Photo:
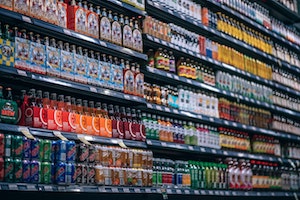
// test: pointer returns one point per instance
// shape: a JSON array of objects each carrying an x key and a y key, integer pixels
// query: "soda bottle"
[
  {"x": 105, "y": 123},
  {"x": 8, "y": 107}
]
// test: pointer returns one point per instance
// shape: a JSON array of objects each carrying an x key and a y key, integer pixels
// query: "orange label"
[
  {"x": 83, "y": 123},
  {"x": 96, "y": 125},
  {"x": 89, "y": 126},
  {"x": 77, "y": 124},
  {"x": 58, "y": 119},
  {"x": 105, "y": 127}
]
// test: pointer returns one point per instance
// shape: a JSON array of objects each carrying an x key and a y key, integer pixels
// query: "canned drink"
[
  {"x": 35, "y": 149},
  {"x": 53, "y": 151},
  {"x": 2, "y": 144},
  {"x": 9, "y": 170},
  {"x": 84, "y": 173},
  {"x": 46, "y": 172},
  {"x": 17, "y": 149},
  {"x": 60, "y": 173},
  {"x": 92, "y": 154},
  {"x": 26, "y": 171},
  {"x": 91, "y": 174},
  {"x": 26, "y": 148},
  {"x": 1, "y": 169},
  {"x": 46, "y": 150},
  {"x": 71, "y": 151},
  {"x": 35, "y": 167},
  {"x": 78, "y": 173},
  {"x": 18, "y": 173},
  {"x": 8, "y": 141},
  {"x": 61, "y": 150},
  {"x": 53, "y": 170},
  {"x": 70, "y": 171},
  {"x": 83, "y": 152}
]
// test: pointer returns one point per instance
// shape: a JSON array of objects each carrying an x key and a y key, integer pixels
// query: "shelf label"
[
  {"x": 189, "y": 81},
  {"x": 26, "y": 132},
  {"x": 167, "y": 109},
  {"x": 178, "y": 191},
  {"x": 83, "y": 139},
  {"x": 234, "y": 193},
  {"x": 164, "y": 43},
  {"x": 244, "y": 126},
  {"x": 202, "y": 192},
  {"x": 196, "y": 192},
  {"x": 103, "y": 43},
  {"x": 191, "y": 148},
  {"x": 176, "y": 77},
  {"x": 93, "y": 89},
  {"x": 187, "y": 192},
  {"x": 67, "y": 32},
  {"x": 163, "y": 144},
  {"x": 149, "y": 105},
  {"x": 234, "y": 124},
  {"x": 210, "y": 192},
  {"x": 171, "y": 12},
  {"x": 156, "y": 40},
  {"x": 225, "y": 153},
  {"x": 126, "y": 190},
  {"x": 191, "y": 53},
  {"x": 26, "y": 19},
  {"x": 126, "y": 96},
  {"x": 199, "y": 117},
  {"x": 295, "y": 195},
  {"x": 59, "y": 135},
  {"x": 169, "y": 75},
  {"x": 175, "y": 111},
  {"x": 159, "y": 108},
  {"x": 183, "y": 17},
  {"x": 148, "y": 190},
  {"x": 21, "y": 72},
  {"x": 183, "y": 50},
  {"x": 137, "y": 190},
  {"x": 202, "y": 149},
  {"x": 213, "y": 151}
]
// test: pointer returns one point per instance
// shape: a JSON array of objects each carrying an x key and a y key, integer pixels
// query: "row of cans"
[{"x": 17, "y": 170}]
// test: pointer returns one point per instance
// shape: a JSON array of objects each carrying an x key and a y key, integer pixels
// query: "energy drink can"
[
  {"x": 46, "y": 150},
  {"x": 35, "y": 167},
  {"x": 17, "y": 149},
  {"x": 91, "y": 174},
  {"x": 92, "y": 154},
  {"x": 35, "y": 149},
  {"x": 26, "y": 148},
  {"x": 78, "y": 173},
  {"x": 83, "y": 152},
  {"x": 9, "y": 170},
  {"x": 26, "y": 171},
  {"x": 18, "y": 173},
  {"x": 53, "y": 151},
  {"x": 8, "y": 145},
  {"x": 71, "y": 151},
  {"x": 46, "y": 173},
  {"x": 70, "y": 170},
  {"x": 60, "y": 173},
  {"x": 61, "y": 150}
]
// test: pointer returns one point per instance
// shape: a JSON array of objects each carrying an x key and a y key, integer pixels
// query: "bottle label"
[
  {"x": 159, "y": 62},
  {"x": 116, "y": 33},
  {"x": 127, "y": 36},
  {"x": 182, "y": 70},
  {"x": 139, "y": 85},
  {"x": 80, "y": 20},
  {"x": 137, "y": 40},
  {"x": 62, "y": 14},
  {"x": 105, "y": 29},
  {"x": 96, "y": 125},
  {"x": 50, "y": 11},
  {"x": 93, "y": 25},
  {"x": 93, "y": 71},
  {"x": 80, "y": 68},
  {"x": 105, "y": 127},
  {"x": 22, "y": 53},
  {"x": 7, "y": 53},
  {"x": 53, "y": 61},
  {"x": 128, "y": 82},
  {"x": 89, "y": 125},
  {"x": 67, "y": 65},
  {"x": 172, "y": 67},
  {"x": 7, "y": 5}
]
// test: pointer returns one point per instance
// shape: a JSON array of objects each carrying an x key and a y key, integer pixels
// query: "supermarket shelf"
[
  {"x": 159, "y": 43},
  {"x": 70, "y": 36},
  {"x": 169, "y": 78},
  {"x": 222, "y": 37},
  {"x": 258, "y": 26},
  {"x": 73, "y": 136},
  {"x": 122, "y": 5},
  {"x": 216, "y": 121},
  {"x": 217, "y": 152},
  {"x": 139, "y": 190},
  {"x": 63, "y": 84}
]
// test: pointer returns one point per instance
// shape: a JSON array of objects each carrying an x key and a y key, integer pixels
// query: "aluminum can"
[
  {"x": 8, "y": 143},
  {"x": 46, "y": 173},
  {"x": 61, "y": 150},
  {"x": 70, "y": 170},
  {"x": 26, "y": 171},
  {"x": 26, "y": 148},
  {"x": 35, "y": 149},
  {"x": 17, "y": 149},
  {"x": 46, "y": 150},
  {"x": 60, "y": 173},
  {"x": 35, "y": 167},
  {"x": 2, "y": 144},
  {"x": 71, "y": 151},
  {"x": 18, "y": 173},
  {"x": 82, "y": 153}
]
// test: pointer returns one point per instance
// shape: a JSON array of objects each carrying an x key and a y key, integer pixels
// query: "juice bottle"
[
  {"x": 151, "y": 60},
  {"x": 169, "y": 130},
  {"x": 159, "y": 59},
  {"x": 88, "y": 109},
  {"x": 141, "y": 129},
  {"x": 181, "y": 67},
  {"x": 116, "y": 30},
  {"x": 172, "y": 63},
  {"x": 127, "y": 33},
  {"x": 78, "y": 116},
  {"x": 134, "y": 125},
  {"x": 137, "y": 42},
  {"x": 58, "y": 118},
  {"x": 105, "y": 122},
  {"x": 117, "y": 124},
  {"x": 93, "y": 21},
  {"x": 105, "y": 26}
]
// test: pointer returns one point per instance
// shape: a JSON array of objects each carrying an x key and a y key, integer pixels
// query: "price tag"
[
  {"x": 182, "y": 17},
  {"x": 48, "y": 188},
  {"x": 169, "y": 75},
  {"x": 13, "y": 187},
  {"x": 176, "y": 77},
  {"x": 226, "y": 123},
  {"x": 191, "y": 53},
  {"x": 175, "y": 111},
  {"x": 210, "y": 192},
  {"x": 156, "y": 40},
  {"x": 103, "y": 44},
  {"x": 225, "y": 153},
  {"x": 258, "y": 194},
  {"x": 83, "y": 139},
  {"x": 26, "y": 19},
  {"x": 149, "y": 106},
  {"x": 137, "y": 190},
  {"x": 187, "y": 192},
  {"x": 199, "y": 117},
  {"x": 163, "y": 144},
  {"x": 21, "y": 72},
  {"x": 164, "y": 43},
  {"x": 213, "y": 31},
  {"x": 202, "y": 192},
  {"x": 119, "y": 3},
  {"x": 227, "y": 193},
  {"x": 176, "y": 47},
  {"x": 171, "y": 45},
  {"x": 183, "y": 50},
  {"x": 122, "y": 144},
  {"x": 295, "y": 195},
  {"x": 191, "y": 148},
  {"x": 234, "y": 124},
  {"x": 59, "y": 135},
  {"x": 126, "y": 190},
  {"x": 244, "y": 126},
  {"x": 196, "y": 192},
  {"x": 93, "y": 89},
  {"x": 67, "y": 32},
  {"x": 115, "y": 190},
  {"x": 148, "y": 190},
  {"x": 171, "y": 12},
  {"x": 213, "y": 151},
  {"x": 167, "y": 109},
  {"x": 159, "y": 108},
  {"x": 178, "y": 191},
  {"x": 211, "y": 119},
  {"x": 126, "y": 96},
  {"x": 217, "y": 193},
  {"x": 189, "y": 81},
  {"x": 202, "y": 149},
  {"x": 26, "y": 132}
]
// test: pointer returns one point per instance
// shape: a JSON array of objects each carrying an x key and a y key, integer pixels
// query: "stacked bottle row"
[
  {"x": 181, "y": 132},
  {"x": 266, "y": 145},
  {"x": 123, "y": 167},
  {"x": 284, "y": 100},
  {"x": 246, "y": 88},
  {"x": 199, "y": 44},
  {"x": 292, "y": 150},
  {"x": 233, "y": 139},
  {"x": 244, "y": 114},
  {"x": 282, "y": 123},
  {"x": 261, "y": 16},
  {"x": 187, "y": 68},
  {"x": 93, "y": 22},
  {"x": 241, "y": 32},
  {"x": 65, "y": 113},
  {"x": 286, "y": 78},
  {"x": 183, "y": 98},
  {"x": 66, "y": 61}
]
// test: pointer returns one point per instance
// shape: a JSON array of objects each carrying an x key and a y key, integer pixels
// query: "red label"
[
  {"x": 117, "y": 129},
  {"x": 37, "y": 123},
  {"x": 127, "y": 134},
  {"x": 1, "y": 169},
  {"x": 50, "y": 119},
  {"x": 65, "y": 122},
  {"x": 96, "y": 125}
]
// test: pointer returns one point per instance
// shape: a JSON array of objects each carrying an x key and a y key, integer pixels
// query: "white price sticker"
[
  {"x": 26, "y": 19},
  {"x": 169, "y": 75},
  {"x": 167, "y": 109},
  {"x": 83, "y": 139},
  {"x": 159, "y": 108},
  {"x": 126, "y": 96},
  {"x": 202, "y": 149},
  {"x": 164, "y": 43},
  {"x": 191, "y": 148},
  {"x": 176, "y": 77},
  {"x": 21, "y": 72},
  {"x": 103, "y": 44},
  {"x": 26, "y": 132},
  {"x": 189, "y": 81},
  {"x": 175, "y": 111},
  {"x": 59, "y": 135},
  {"x": 93, "y": 89},
  {"x": 213, "y": 151},
  {"x": 67, "y": 32},
  {"x": 163, "y": 144}
]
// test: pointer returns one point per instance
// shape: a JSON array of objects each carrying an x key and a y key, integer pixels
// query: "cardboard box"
[{"x": 7, "y": 51}]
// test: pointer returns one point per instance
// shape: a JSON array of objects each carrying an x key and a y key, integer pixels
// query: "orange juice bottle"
[
  {"x": 79, "y": 113},
  {"x": 105, "y": 123}
]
